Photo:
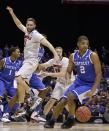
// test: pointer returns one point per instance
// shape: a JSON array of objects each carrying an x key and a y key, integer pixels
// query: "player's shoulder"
[
  {"x": 74, "y": 52},
  {"x": 65, "y": 59},
  {"x": 51, "y": 60},
  {"x": 72, "y": 55},
  {"x": 93, "y": 54},
  {"x": 35, "y": 32},
  {"x": 7, "y": 59}
]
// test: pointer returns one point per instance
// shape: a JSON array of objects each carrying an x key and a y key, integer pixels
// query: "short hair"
[
  {"x": 13, "y": 49},
  {"x": 83, "y": 37},
  {"x": 59, "y": 47},
  {"x": 31, "y": 19}
]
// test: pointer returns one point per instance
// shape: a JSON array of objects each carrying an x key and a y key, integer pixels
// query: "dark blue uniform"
[
  {"x": 7, "y": 76},
  {"x": 85, "y": 75}
]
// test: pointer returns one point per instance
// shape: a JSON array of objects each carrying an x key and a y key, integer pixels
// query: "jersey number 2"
[{"x": 82, "y": 69}]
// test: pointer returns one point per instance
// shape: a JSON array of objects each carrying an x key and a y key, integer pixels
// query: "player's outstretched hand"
[{"x": 9, "y": 9}]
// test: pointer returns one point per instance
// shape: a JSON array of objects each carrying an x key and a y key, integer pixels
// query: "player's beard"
[
  {"x": 60, "y": 57},
  {"x": 30, "y": 29}
]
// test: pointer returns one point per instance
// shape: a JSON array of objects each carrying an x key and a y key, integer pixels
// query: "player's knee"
[
  {"x": 18, "y": 79},
  {"x": 63, "y": 101},
  {"x": 52, "y": 100}
]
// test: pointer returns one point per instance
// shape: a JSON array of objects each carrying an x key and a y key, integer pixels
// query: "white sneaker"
[
  {"x": 37, "y": 117},
  {"x": 41, "y": 119},
  {"x": 19, "y": 113},
  {"x": 5, "y": 118}
]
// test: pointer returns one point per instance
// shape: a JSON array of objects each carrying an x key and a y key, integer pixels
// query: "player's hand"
[
  {"x": 42, "y": 74},
  {"x": 45, "y": 73},
  {"x": 9, "y": 9},
  {"x": 89, "y": 94},
  {"x": 39, "y": 68}
]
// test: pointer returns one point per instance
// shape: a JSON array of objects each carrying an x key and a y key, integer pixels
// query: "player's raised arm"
[
  {"x": 16, "y": 20},
  {"x": 46, "y": 43}
]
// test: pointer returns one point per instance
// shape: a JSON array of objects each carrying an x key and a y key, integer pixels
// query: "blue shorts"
[
  {"x": 6, "y": 88},
  {"x": 79, "y": 89},
  {"x": 36, "y": 83}
]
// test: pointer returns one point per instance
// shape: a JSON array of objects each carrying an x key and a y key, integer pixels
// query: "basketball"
[{"x": 83, "y": 114}]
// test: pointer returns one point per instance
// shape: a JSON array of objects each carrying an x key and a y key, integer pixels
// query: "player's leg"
[
  {"x": 42, "y": 93},
  {"x": 23, "y": 74},
  {"x": 57, "y": 110},
  {"x": 20, "y": 93},
  {"x": 71, "y": 104},
  {"x": 71, "y": 109},
  {"x": 56, "y": 95},
  {"x": 48, "y": 106},
  {"x": 37, "y": 84},
  {"x": 77, "y": 93},
  {"x": 2, "y": 90},
  {"x": 10, "y": 92},
  {"x": 59, "y": 107}
]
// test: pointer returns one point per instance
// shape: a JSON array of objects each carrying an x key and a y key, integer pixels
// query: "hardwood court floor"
[{"x": 39, "y": 127}]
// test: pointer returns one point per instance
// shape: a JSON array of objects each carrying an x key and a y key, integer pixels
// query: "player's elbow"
[{"x": 99, "y": 75}]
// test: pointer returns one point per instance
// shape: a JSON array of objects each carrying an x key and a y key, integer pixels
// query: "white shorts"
[
  {"x": 58, "y": 91},
  {"x": 27, "y": 69}
]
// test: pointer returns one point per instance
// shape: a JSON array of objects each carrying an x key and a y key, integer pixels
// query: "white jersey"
[
  {"x": 58, "y": 67},
  {"x": 32, "y": 44}
]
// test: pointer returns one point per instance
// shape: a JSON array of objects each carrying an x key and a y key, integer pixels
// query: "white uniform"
[
  {"x": 31, "y": 49},
  {"x": 60, "y": 86}
]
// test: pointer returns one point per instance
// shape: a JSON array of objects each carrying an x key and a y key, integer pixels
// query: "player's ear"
[
  {"x": 77, "y": 44},
  {"x": 35, "y": 26}
]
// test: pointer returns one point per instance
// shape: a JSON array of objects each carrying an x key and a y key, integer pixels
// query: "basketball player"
[
  {"x": 32, "y": 39},
  {"x": 60, "y": 71},
  {"x": 88, "y": 69},
  {"x": 8, "y": 67},
  {"x": 36, "y": 85},
  {"x": 60, "y": 68}
]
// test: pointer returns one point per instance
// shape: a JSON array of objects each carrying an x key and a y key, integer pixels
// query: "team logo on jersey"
[{"x": 26, "y": 38}]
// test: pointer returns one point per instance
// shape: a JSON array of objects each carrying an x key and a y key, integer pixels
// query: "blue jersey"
[
  {"x": 41, "y": 53},
  {"x": 84, "y": 66},
  {"x": 7, "y": 74}
]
